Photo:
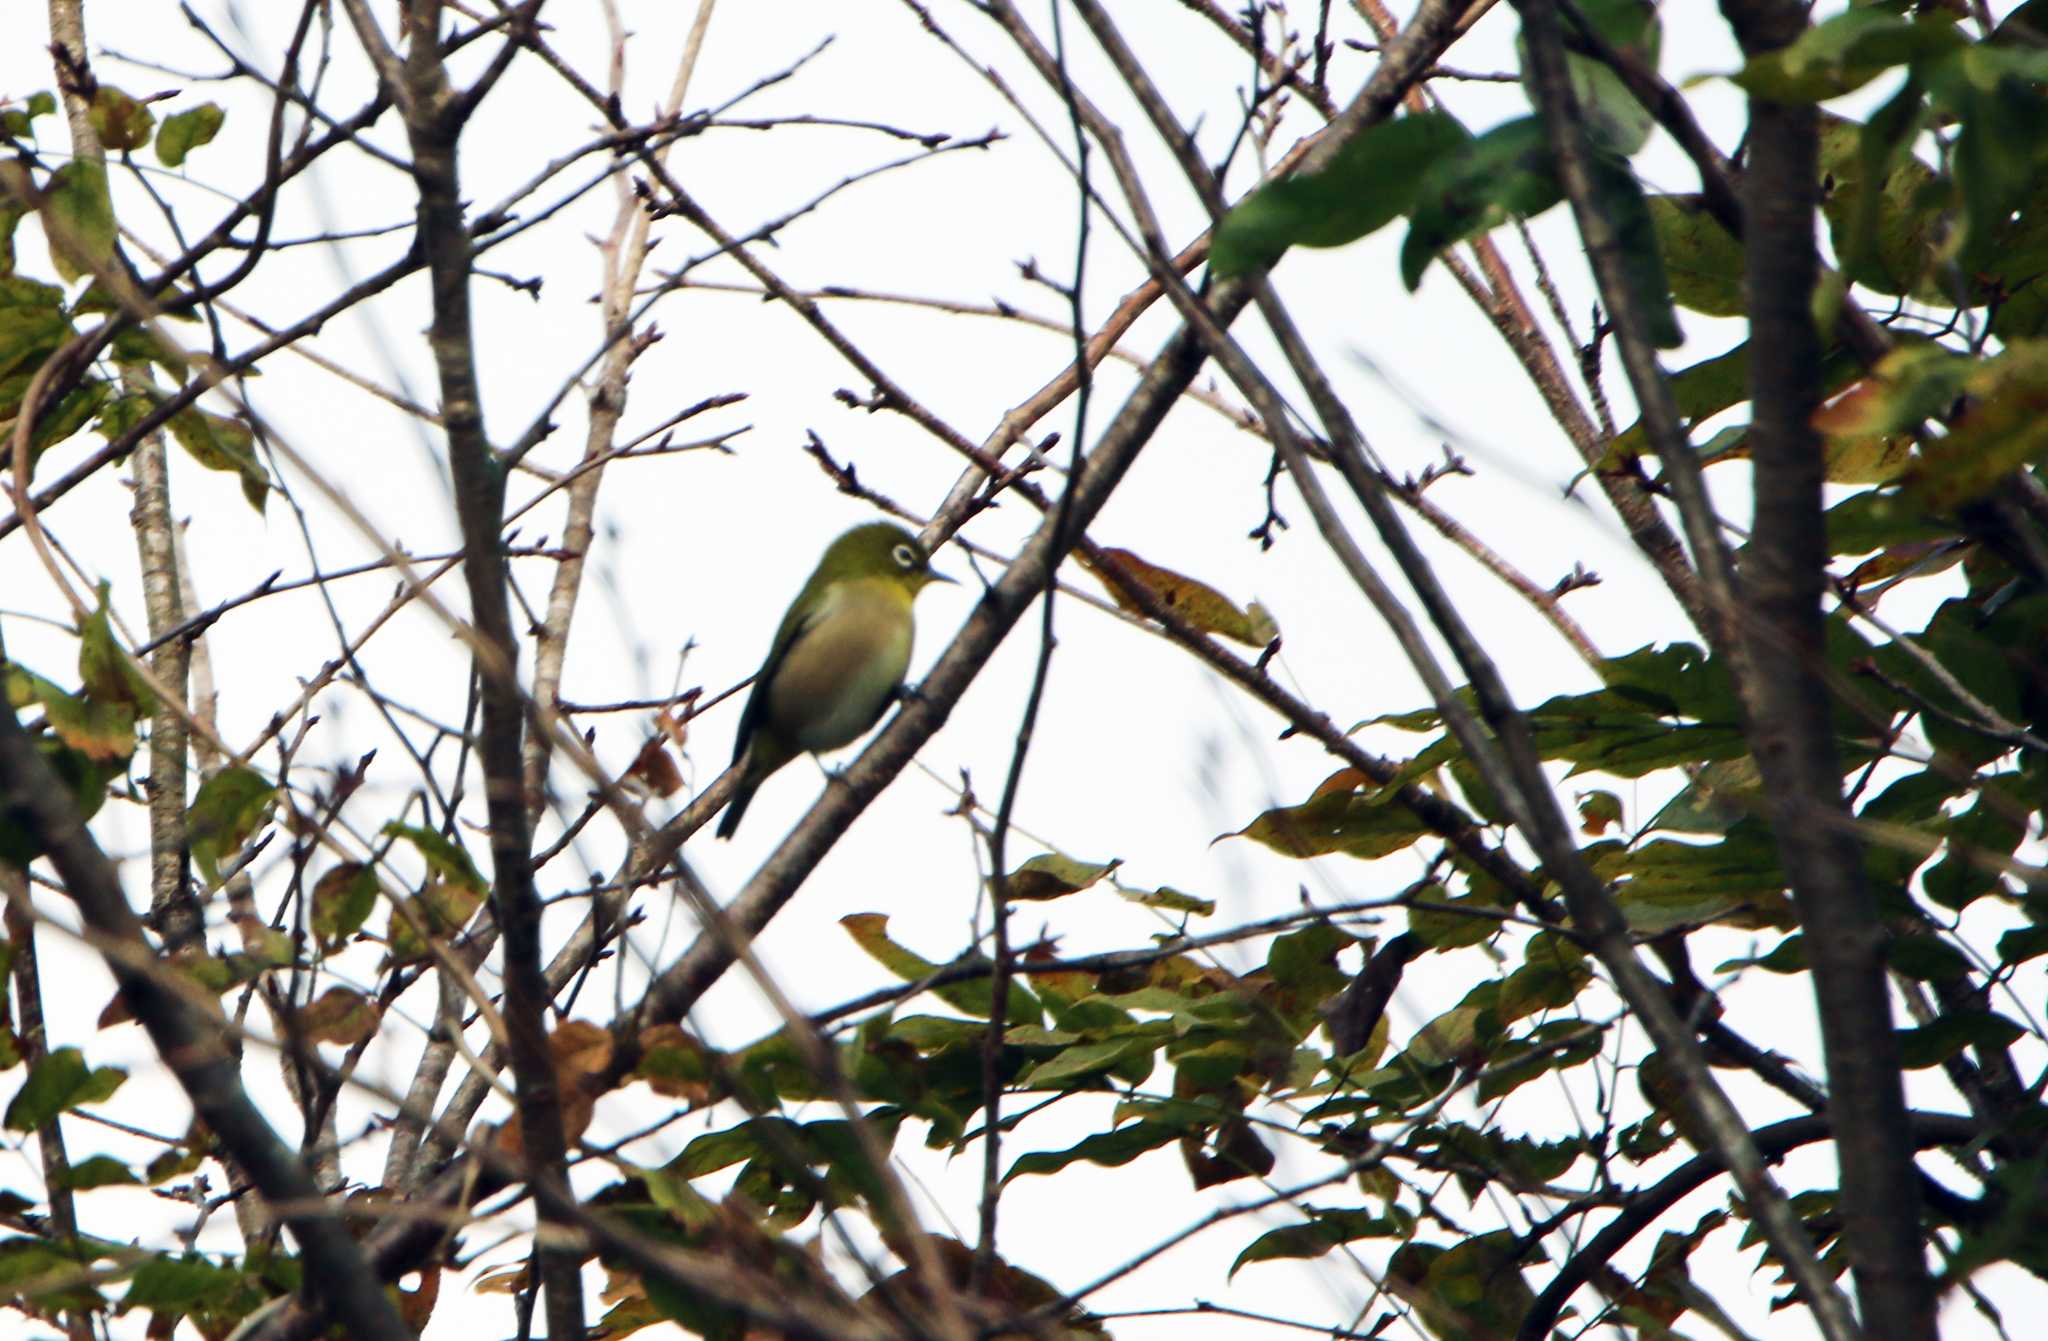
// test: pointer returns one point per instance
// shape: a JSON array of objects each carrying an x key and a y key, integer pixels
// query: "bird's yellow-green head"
[{"x": 878, "y": 549}]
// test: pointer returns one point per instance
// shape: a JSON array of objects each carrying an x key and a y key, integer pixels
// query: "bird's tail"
[{"x": 735, "y": 808}]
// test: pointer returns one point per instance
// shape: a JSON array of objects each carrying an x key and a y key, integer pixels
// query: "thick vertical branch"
[
  {"x": 173, "y": 911},
  {"x": 1550, "y": 87},
  {"x": 435, "y": 115},
  {"x": 1791, "y": 729}
]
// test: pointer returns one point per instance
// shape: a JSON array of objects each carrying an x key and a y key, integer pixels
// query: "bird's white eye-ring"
[{"x": 905, "y": 557}]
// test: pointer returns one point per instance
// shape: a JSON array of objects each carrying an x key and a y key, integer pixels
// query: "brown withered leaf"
[
  {"x": 1008, "y": 1293},
  {"x": 654, "y": 769},
  {"x": 580, "y": 1051},
  {"x": 1239, "y": 1154},
  {"x": 338, "y": 1015},
  {"x": 1196, "y": 602},
  {"x": 416, "y": 1305}
]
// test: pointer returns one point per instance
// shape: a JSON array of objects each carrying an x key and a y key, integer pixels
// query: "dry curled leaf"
[{"x": 1196, "y": 602}]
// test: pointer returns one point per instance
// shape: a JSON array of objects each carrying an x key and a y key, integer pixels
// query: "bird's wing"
[{"x": 794, "y": 626}]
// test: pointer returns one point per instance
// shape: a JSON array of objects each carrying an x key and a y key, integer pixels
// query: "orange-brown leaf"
[
  {"x": 1196, "y": 602},
  {"x": 339, "y": 1015}
]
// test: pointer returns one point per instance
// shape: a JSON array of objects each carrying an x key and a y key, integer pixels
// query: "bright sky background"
[{"x": 1139, "y": 754}]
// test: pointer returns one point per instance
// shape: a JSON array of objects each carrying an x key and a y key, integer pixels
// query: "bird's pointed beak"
[{"x": 934, "y": 575}]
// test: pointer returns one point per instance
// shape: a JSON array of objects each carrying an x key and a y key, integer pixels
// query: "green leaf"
[
  {"x": 2014, "y": 275},
  {"x": 86, "y": 749},
  {"x": 974, "y": 996},
  {"x": 121, "y": 122},
  {"x": 1618, "y": 195},
  {"x": 185, "y": 131},
  {"x": 1617, "y": 732},
  {"x": 106, "y": 672},
  {"x": 1788, "y": 956},
  {"x": 1677, "y": 679},
  {"x": 2004, "y": 426},
  {"x": 175, "y": 1162},
  {"x": 1710, "y": 386},
  {"x": 1303, "y": 964},
  {"x": 138, "y": 347},
  {"x": 1980, "y": 841},
  {"x": 1111, "y": 1149},
  {"x": 221, "y": 443},
  {"x": 102, "y": 732},
  {"x": 1879, "y": 519},
  {"x": 1085, "y": 1061},
  {"x": 1704, "y": 262},
  {"x": 1326, "y": 1229},
  {"x": 1440, "y": 929},
  {"x": 1506, "y": 173},
  {"x": 443, "y": 855},
  {"x": 69, "y": 415},
  {"x": 24, "y": 1261},
  {"x": 1886, "y": 210},
  {"x": 1450, "y": 1037},
  {"x": 1978, "y": 652},
  {"x": 1371, "y": 181},
  {"x": 1599, "y": 811},
  {"x": 1932, "y": 1044},
  {"x": 1553, "y": 971},
  {"x": 17, "y": 122},
  {"x": 12, "y": 212},
  {"x": 342, "y": 899},
  {"x": 1169, "y": 900},
  {"x": 78, "y": 216},
  {"x": 1614, "y": 120},
  {"x": 1666, "y": 884},
  {"x": 723, "y": 1149},
  {"x": 440, "y": 910},
  {"x": 1053, "y": 876},
  {"x": 1337, "y": 819},
  {"x": 2017, "y": 947},
  {"x": 1998, "y": 146},
  {"x": 1845, "y": 52},
  {"x": 97, "y": 1171},
  {"x": 121, "y": 414},
  {"x": 180, "y": 1284},
  {"x": 57, "y": 1084},
  {"x": 230, "y": 807},
  {"x": 1558, "y": 1045},
  {"x": 1473, "y": 1289},
  {"x": 33, "y": 324},
  {"x": 1926, "y": 959}
]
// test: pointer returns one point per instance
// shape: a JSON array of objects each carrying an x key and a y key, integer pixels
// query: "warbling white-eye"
[{"x": 838, "y": 659}]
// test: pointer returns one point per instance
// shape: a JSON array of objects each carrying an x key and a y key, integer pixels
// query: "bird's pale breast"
[{"x": 839, "y": 675}]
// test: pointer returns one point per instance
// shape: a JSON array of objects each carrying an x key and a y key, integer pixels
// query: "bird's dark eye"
[{"x": 905, "y": 557}]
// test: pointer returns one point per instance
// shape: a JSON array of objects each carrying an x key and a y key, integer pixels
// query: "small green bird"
[{"x": 838, "y": 660}]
